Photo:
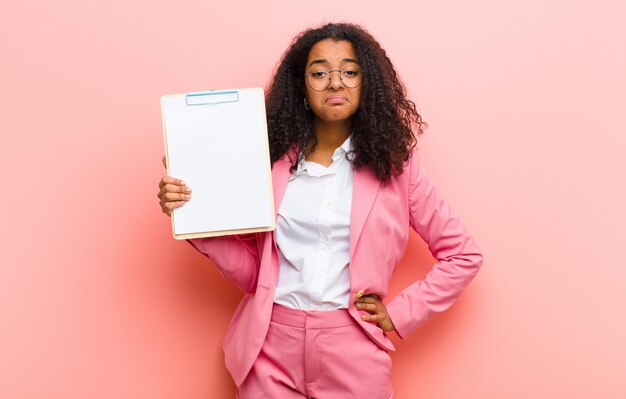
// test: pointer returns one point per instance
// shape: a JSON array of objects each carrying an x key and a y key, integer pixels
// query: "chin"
[{"x": 335, "y": 117}]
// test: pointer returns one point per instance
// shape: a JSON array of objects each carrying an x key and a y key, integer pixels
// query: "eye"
[
  {"x": 351, "y": 73},
  {"x": 318, "y": 74}
]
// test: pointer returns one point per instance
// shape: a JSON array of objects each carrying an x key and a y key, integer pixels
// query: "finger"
[
  {"x": 164, "y": 162},
  {"x": 171, "y": 180},
  {"x": 172, "y": 205},
  {"x": 172, "y": 188},
  {"x": 370, "y": 307},
  {"x": 168, "y": 197},
  {"x": 377, "y": 317},
  {"x": 181, "y": 189},
  {"x": 167, "y": 191},
  {"x": 368, "y": 299},
  {"x": 174, "y": 197},
  {"x": 166, "y": 211}
]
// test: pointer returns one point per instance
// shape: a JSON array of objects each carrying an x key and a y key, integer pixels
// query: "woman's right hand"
[{"x": 173, "y": 193}]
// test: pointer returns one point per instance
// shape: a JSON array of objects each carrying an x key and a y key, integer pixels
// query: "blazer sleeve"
[
  {"x": 236, "y": 257},
  {"x": 457, "y": 254}
]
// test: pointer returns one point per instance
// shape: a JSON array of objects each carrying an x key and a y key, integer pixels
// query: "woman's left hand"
[{"x": 377, "y": 310}]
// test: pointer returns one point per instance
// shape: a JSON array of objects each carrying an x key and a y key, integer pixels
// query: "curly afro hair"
[{"x": 382, "y": 132}]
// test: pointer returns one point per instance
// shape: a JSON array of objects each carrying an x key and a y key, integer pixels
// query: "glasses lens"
[
  {"x": 351, "y": 77},
  {"x": 319, "y": 80}
]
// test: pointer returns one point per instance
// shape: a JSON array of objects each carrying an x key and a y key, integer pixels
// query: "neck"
[{"x": 331, "y": 135}]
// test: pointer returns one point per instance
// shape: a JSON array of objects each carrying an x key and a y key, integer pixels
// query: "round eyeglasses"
[{"x": 320, "y": 79}]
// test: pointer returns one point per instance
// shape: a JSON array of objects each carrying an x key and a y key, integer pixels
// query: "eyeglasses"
[{"x": 319, "y": 79}]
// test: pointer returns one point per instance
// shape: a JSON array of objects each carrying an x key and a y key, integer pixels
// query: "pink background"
[{"x": 525, "y": 101}]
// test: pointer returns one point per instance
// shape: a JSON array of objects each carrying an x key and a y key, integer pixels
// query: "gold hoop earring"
[{"x": 307, "y": 106}]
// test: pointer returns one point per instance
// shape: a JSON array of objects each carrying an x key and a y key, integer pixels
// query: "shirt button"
[{"x": 359, "y": 294}]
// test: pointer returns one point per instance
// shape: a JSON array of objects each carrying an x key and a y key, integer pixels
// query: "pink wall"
[{"x": 525, "y": 101}]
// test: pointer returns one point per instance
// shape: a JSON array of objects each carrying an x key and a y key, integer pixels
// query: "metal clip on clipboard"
[{"x": 212, "y": 97}]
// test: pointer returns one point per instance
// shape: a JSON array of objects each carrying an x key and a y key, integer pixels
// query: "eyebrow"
[{"x": 325, "y": 61}]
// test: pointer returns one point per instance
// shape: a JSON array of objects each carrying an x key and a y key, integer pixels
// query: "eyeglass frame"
[{"x": 330, "y": 79}]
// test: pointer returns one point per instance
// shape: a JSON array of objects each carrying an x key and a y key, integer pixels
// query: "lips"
[{"x": 336, "y": 100}]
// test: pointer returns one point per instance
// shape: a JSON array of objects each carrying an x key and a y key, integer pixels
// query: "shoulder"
[{"x": 412, "y": 167}]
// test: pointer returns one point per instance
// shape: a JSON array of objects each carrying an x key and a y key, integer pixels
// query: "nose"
[{"x": 335, "y": 80}]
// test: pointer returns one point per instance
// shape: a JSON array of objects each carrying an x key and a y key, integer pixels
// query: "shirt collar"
[
  {"x": 318, "y": 170},
  {"x": 343, "y": 149}
]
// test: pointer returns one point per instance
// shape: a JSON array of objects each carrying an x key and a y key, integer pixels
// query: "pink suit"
[{"x": 379, "y": 227}]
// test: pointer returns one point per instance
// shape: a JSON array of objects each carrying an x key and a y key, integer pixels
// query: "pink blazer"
[{"x": 379, "y": 227}]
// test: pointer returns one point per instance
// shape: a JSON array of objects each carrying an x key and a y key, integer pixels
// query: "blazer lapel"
[
  {"x": 364, "y": 192},
  {"x": 280, "y": 178}
]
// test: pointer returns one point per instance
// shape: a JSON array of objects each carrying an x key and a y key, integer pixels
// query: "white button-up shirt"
[{"x": 313, "y": 235}]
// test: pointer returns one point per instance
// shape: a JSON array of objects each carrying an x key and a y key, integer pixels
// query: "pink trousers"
[{"x": 317, "y": 354}]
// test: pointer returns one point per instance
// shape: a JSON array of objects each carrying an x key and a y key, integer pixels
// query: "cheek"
[
  {"x": 356, "y": 96},
  {"x": 357, "y": 101},
  {"x": 311, "y": 94}
]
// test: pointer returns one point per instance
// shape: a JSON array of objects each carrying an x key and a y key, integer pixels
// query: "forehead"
[{"x": 333, "y": 52}]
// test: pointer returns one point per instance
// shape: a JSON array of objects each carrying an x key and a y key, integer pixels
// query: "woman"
[{"x": 347, "y": 185}]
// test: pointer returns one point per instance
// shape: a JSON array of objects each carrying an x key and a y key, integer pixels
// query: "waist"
[{"x": 311, "y": 318}]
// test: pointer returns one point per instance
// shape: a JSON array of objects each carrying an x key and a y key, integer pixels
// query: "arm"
[
  {"x": 458, "y": 256},
  {"x": 236, "y": 258}
]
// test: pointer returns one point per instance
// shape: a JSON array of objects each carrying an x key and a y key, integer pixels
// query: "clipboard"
[{"x": 216, "y": 141}]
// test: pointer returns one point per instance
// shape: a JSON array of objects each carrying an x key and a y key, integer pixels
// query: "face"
[{"x": 337, "y": 102}]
